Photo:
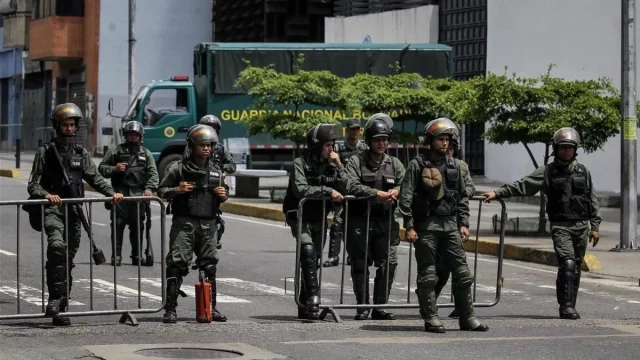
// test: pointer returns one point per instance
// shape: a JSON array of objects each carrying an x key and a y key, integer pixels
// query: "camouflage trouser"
[
  {"x": 570, "y": 240},
  {"x": 54, "y": 227},
  {"x": 191, "y": 235},
  {"x": 126, "y": 215},
  {"x": 430, "y": 246},
  {"x": 383, "y": 242}
]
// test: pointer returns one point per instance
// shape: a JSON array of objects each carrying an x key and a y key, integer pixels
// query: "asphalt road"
[{"x": 256, "y": 258}]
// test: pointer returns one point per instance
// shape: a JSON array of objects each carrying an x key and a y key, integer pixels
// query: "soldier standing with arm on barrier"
[
  {"x": 435, "y": 208},
  {"x": 378, "y": 176},
  {"x": 351, "y": 146},
  {"x": 442, "y": 272},
  {"x": 196, "y": 189},
  {"x": 318, "y": 173},
  {"x": 133, "y": 172},
  {"x": 47, "y": 181},
  {"x": 573, "y": 210},
  {"x": 224, "y": 160}
]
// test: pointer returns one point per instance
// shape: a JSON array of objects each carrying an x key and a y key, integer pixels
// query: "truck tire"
[{"x": 163, "y": 165}]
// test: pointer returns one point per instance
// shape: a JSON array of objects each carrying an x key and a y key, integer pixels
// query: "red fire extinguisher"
[{"x": 204, "y": 310}]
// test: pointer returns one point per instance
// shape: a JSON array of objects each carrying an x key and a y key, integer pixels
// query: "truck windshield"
[{"x": 132, "y": 111}]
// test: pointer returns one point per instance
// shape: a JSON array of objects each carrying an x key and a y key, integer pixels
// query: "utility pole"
[
  {"x": 132, "y": 42},
  {"x": 629, "y": 161}
]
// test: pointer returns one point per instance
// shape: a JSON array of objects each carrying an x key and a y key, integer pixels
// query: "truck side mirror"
[{"x": 110, "y": 106}]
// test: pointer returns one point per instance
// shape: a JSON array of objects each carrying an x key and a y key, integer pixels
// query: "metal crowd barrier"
[
  {"x": 126, "y": 314},
  {"x": 331, "y": 309}
]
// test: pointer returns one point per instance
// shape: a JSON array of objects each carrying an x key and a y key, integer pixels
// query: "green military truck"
[{"x": 168, "y": 108}]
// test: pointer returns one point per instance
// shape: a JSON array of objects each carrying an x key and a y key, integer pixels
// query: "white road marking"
[
  {"x": 5, "y": 252},
  {"x": 27, "y": 293},
  {"x": 191, "y": 291},
  {"x": 106, "y": 287},
  {"x": 258, "y": 287}
]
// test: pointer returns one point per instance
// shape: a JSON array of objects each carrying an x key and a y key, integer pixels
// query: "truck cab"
[{"x": 167, "y": 109}]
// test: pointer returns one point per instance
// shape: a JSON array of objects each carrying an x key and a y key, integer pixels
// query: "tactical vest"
[
  {"x": 135, "y": 176},
  {"x": 448, "y": 204},
  {"x": 53, "y": 178},
  {"x": 568, "y": 194},
  {"x": 312, "y": 209},
  {"x": 383, "y": 179},
  {"x": 346, "y": 152},
  {"x": 201, "y": 202}
]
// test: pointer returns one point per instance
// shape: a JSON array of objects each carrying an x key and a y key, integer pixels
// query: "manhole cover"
[{"x": 188, "y": 353}]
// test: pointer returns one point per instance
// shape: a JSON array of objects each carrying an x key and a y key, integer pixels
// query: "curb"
[
  {"x": 486, "y": 246},
  {"x": 10, "y": 173}
]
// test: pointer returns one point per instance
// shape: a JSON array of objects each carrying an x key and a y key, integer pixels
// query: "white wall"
[
  {"x": 417, "y": 25},
  {"x": 583, "y": 38},
  {"x": 166, "y": 31}
]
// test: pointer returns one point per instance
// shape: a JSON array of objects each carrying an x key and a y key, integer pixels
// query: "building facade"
[
  {"x": 459, "y": 24},
  {"x": 10, "y": 90},
  {"x": 527, "y": 36},
  {"x": 77, "y": 51}
]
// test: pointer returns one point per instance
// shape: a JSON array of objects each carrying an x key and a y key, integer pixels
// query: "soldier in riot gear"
[
  {"x": 573, "y": 210},
  {"x": 224, "y": 159},
  {"x": 318, "y": 173},
  {"x": 220, "y": 154},
  {"x": 351, "y": 146},
  {"x": 196, "y": 190},
  {"x": 377, "y": 176},
  {"x": 435, "y": 207},
  {"x": 47, "y": 182},
  {"x": 441, "y": 270},
  {"x": 133, "y": 172}
]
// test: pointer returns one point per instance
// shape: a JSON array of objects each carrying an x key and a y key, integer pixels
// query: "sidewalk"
[{"x": 599, "y": 260}]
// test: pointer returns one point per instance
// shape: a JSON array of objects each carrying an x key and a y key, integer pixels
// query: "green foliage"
[
  {"x": 530, "y": 110},
  {"x": 286, "y": 93},
  {"x": 414, "y": 97}
]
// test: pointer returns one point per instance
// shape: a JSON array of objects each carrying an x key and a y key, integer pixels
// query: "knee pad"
[
  {"x": 177, "y": 272},
  {"x": 209, "y": 271},
  {"x": 427, "y": 277},
  {"x": 462, "y": 278},
  {"x": 57, "y": 256},
  {"x": 568, "y": 264}
]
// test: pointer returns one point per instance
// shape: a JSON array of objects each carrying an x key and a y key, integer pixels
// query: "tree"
[
  {"x": 285, "y": 94},
  {"x": 403, "y": 96},
  {"x": 530, "y": 110}
]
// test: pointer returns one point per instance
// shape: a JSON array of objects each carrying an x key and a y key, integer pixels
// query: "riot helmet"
[
  {"x": 566, "y": 136},
  {"x": 213, "y": 121},
  {"x": 321, "y": 133},
  {"x": 437, "y": 127},
  {"x": 134, "y": 127},
  {"x": 202, "y": 134},
  {"x": 63, "y": 112},
  {"x": 378, "y": 125}
]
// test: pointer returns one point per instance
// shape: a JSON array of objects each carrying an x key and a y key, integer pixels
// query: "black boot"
[
  {"x": 133, "y": 240},
  {"x": 310, "y": 275},
  {"x": 174, "y": 281},
  {"x": 565, "y": 287},
  {"x": 429, "y": 310},
  {"x": 117, "y": 261},
  {"x": 210, "y": 273},
  {"x": 462, "y": 281},
  {"x": 335, "y": 240},
  {"x": 381, "y": 292},
  {"x": 360, "y": 278},
  {"x": 576, "y": 286},
  {"x": 57, "y": 286}
]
